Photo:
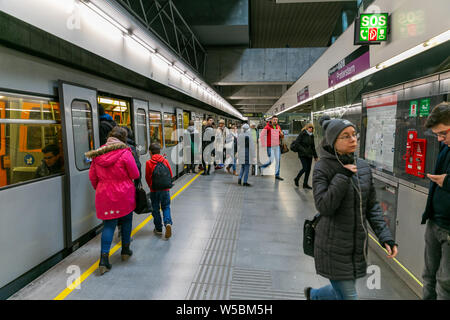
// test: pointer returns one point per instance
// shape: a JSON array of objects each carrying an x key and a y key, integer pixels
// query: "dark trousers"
[
  {"x": 108, "y": 231},
  {"x": 306, "y": 163},
  {"x": 436, "y": 274}
]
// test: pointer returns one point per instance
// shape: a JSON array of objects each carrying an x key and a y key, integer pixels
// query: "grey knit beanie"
[{"x": 333, "y": 127}]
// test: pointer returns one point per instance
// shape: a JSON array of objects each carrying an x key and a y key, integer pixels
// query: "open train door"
[
  {"x": 80, "y": 134},
  {"x": 141, "y": 135}
]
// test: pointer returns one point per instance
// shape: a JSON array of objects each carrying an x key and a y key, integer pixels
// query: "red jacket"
[
  {"x": 273, "y": 136},
  {"x": 150, "y": 166}
]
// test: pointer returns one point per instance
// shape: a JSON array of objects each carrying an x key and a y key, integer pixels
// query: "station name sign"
[{"x": 371, "y": 28}]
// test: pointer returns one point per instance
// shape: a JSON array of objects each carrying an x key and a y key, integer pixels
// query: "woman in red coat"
[{"x": 112, "y": 172}]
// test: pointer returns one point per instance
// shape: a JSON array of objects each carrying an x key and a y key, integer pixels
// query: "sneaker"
[
  {"x": 168, "y": 231},
  {"x": 247, "y": 184},
  {"x": 279, "y": 178},
  {"x": 307, "y": 292},
  {"x": 157, "y": 232},
  {"x": 307, "y": 187}
]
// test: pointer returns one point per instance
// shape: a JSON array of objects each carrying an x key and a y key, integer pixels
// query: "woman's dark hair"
[
  {"x": 119, "y": 133},
  {"x": 155, "y": 148},
  {"x": 130, "y": 134},
  {"x": 439, "y": 115}
]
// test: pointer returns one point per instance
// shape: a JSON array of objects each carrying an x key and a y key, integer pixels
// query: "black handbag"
[
  {"x": 309, "y": 233},
  {"x": 143, "y": 202}
]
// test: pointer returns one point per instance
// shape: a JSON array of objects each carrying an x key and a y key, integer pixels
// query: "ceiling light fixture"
[{"x": 104, "y": 15}]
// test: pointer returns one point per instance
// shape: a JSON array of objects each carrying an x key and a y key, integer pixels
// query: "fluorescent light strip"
[
  {"x": 162, "y": 58},
  {"x": 142, "y": 43},
  {"x": 441, "y": 38},
  {"x": 105, "y": 16},
  {"x": 178, "y": 69}
]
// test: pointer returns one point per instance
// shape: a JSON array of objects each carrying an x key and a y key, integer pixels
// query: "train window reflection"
[
  {"x": 83, "y": 135},
  {"x": 142, "y": 142},
  {"x": 170, "y": 130},
  {"x": 30, "y": 138},
  {"x": 155, "y": 127},
  {"x": 118, "y": 109}
]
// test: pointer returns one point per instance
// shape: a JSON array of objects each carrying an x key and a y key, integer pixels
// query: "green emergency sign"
[
  {"x": 373, "y": 27},
  {"x": 424, "y": 110}
]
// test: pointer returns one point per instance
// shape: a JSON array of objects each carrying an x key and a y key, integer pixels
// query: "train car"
[{"x": 47, "y": 215}]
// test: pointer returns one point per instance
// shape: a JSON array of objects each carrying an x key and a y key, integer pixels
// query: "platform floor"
[{"x": 229, "y": 242}]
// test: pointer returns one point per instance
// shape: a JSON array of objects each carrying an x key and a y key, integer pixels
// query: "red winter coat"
[
  {"x": 273, "y": 136},
  {"x": 150, "y": 166},
  {"x": 112, "y": 172}
]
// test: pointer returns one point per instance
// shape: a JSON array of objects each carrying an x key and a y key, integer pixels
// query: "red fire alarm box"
[{"x": 416, "y": 150}]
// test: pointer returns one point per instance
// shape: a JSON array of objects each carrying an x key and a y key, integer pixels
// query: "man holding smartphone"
[{"x": 436, "y": 274}]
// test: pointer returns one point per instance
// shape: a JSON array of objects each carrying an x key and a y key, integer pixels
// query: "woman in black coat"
[
  {"x": 345, "y": 197},
  {"x": 306, "y": 151}
]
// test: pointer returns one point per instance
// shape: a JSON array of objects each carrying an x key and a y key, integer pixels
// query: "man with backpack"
[{"x": 158, "y": 175}]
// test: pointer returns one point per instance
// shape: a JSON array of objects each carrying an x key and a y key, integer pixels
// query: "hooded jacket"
[
  {"x": 270, "y": 137},
  {"x": 112, "y": 172},
  {"x": 150, "y": 166},
  {"x": 306, "y": 145},
  {"x": 341, "y": 239}
]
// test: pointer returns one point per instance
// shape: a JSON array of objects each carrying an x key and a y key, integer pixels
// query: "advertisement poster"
[
  {"x": 303, "y": 94},
  {"x": 380, "y": 137}
]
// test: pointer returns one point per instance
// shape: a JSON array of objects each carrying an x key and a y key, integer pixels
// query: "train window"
[
  {"x": 83, "y": 134},
  {"x": 155, "y": 127},
  {"x": 30, "y": 138},
  {"x": 118, "y": 109},
  {"x": 142, "y": 142},
  {"x": 170, "y": 130}
]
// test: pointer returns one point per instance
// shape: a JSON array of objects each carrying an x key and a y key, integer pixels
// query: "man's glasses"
[
  {"x": 348, "y": 137},
  {"x": 442, "y": 134}
]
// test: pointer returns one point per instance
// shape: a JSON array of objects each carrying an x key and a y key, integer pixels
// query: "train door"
[
  {"x": 141, "y": 133},
  {"x": 80, "y": 134},
  {"x": 2, "y": 146},
  {"x": 180, "y": 130}
]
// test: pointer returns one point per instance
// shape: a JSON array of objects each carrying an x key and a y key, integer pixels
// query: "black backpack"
[
  {"x": 295, "y": 145},
  {"x": 161, "y": 178}
]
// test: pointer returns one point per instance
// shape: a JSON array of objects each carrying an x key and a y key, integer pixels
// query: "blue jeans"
[
  {"x": 276, "y": 153},
  {"x": 161, "y": 199},
  {"x": 338, "y": 290},
  {"x": 244, "y": 172},
  {"x": 108, "y": 231}
]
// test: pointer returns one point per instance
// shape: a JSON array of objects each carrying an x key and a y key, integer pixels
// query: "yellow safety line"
[
  {"x": 94, "y": 267},
  {"x": 398, "y": 262}
]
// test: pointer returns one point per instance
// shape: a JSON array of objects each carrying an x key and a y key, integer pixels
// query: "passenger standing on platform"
[
  {"x": 306, "y": 151},
  {"x": 254, "y": 134},
  {"x": 158, "y": 175},
  {"x": 246, "y": 153},
  {"x": 233, "y": 138},
  {"x": 270, "y": 138},
  {"x": 219, "y": 142},
  {"x": 436, "y": 274},
  {"x": 106, "y": 124},
  {"x": 112, "y": 172},
  {"x": 207, "y": 139},
  {"x": 345, "y": 197},
  {"x": 190, "y": 134},
  {"x": 132, "y": 145}
]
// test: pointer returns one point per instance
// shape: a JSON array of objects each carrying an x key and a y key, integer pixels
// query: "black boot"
[
  {"x": 239, "y": 181},
  {"x": 126, "y": 252},
  {"x": 104, "y": 264},
  {"x": 296, "y": 182},
  {"x": 305, "y": 186}
]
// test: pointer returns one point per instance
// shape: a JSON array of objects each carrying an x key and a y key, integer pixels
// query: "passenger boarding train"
[{"x": 43, "y": 103}]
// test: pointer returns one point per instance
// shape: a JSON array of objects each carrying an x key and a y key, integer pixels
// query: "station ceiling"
[{"x": 229, "y": 24}]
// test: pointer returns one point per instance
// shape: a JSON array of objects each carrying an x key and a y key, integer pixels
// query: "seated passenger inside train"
[{"x": 52, "y": 162}]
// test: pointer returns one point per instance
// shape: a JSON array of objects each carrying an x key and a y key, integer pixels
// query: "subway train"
[{"x": 44, "y": 218}]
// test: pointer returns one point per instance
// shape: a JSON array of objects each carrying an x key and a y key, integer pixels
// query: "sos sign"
[{"x": 371, "y": 28}]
